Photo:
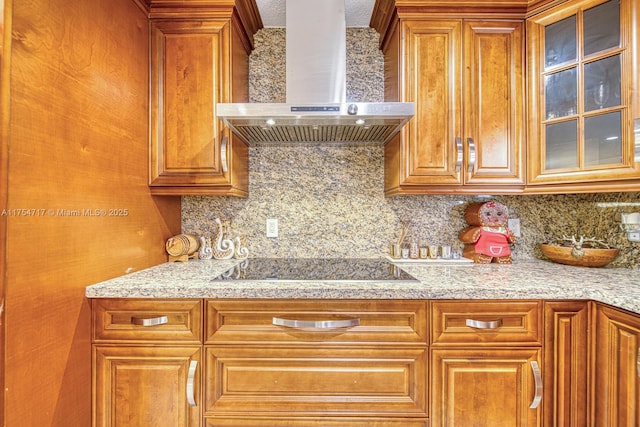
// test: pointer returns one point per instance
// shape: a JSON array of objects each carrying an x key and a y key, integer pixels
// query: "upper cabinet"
[
  {"x": 582, "y": 70},
  {"x": 198, "y": 58},
  {"x": 466, "y": 79}
]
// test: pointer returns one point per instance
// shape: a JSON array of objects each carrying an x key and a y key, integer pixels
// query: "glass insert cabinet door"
[{"x": 581, "y": 127}]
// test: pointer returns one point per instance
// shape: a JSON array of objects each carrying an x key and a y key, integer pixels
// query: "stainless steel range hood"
[{"x": 315, "y": 110}]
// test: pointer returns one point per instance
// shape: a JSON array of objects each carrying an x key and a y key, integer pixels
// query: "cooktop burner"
[{"x": 317, "y": 269}]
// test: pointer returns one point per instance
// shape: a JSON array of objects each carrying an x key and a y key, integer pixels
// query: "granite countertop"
[{"x": 534, "y": 279}]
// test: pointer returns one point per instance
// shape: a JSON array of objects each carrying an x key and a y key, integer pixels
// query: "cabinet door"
[
  {"x": 494, "y": 103},
  {"x": 580, "y": 75},
  {"x": 566, "y": 363},
  {"x": 485, "y": 387},
  {"x": 191, "y": 65},
  {"x": 146, "y": 386},
  {"x": 617, "y": 381},
  {"x": 323, "y": 381},
  {"x": 457, "y": 141},
  {"x": 433, "y": 81}
]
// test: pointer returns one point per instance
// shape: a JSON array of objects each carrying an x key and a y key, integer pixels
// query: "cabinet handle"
[
  {"x": 319, "y": 324},
  {"x": 537, "y": 376},
  {"x": 154, "y": 321},
  {"x": 191, "y": 378},
  {"x": 223, "y": 154},
  {"x": 472, "y": 154},
  {"x": 479, "y": 324},
  {"x": 638, "y": 362},
  {"x": 458, "y": 154}
]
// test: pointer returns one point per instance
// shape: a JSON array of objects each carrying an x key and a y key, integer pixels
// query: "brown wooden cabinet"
[
  {"x": 566, "y": 363},
  {"x": 304, "y": 362},
  {"x": 146, "y": 363},
  {"x": 195, "y": 64},
  {"x": 486, "y": 363},
  {"x": 582, "y": 100},
  {"x": 616, "y": 392},
  {"x": 385, "y": 363},
  {"x": 466, "y": 80}
]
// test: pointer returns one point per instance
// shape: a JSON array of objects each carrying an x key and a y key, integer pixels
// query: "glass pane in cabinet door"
[
  {"x": 602, "y": 83},
  {"x": 561, "y": 94},
  {"x": 602, "y": 139},
  {"x": 602, "y": 27},
  {"x": 561, "y": 145},
  {"x": 560, "y": 42}
]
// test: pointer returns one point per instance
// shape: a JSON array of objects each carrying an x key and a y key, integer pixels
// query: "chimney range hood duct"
[{"x": 315, "y": 108}]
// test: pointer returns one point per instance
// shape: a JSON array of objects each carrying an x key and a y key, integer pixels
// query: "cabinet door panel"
[
  {"x": 566, "y": 363},
  {"x": 617, "y": 382},
  {"x": 433, "y": 82},
  {"x": 311, "y": 382},
  {"x": 384, "y": 322},
  {"x": 494, "y": 99},
  {"x": 483, "y": 388},
  {"x": 144, "y": 386},
  {"x": 581, "y": 98},
  {"x": 191, "y": 153}
]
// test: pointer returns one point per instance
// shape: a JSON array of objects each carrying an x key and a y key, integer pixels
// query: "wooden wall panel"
[{"x": 79, "y": 206}]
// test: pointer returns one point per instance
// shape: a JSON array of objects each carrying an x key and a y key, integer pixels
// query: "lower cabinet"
[
  {"x": 486, "y": 363},
  {"x": 566, "y": 363},
  {"x": 485, "y": 387},
  {"x": 373, "y": 363},
  {"x": 146, "y": 386},
  {"x": 316, "y": 363},
  {"x": 617, "y": 368}
]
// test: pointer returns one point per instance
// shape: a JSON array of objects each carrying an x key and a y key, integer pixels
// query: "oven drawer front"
[
  {"x": 147, "y": 320},
  {"x": 486, "y": 322},
  {"x": 310, "y": 322},
  {"x": 311, "y": 382}
]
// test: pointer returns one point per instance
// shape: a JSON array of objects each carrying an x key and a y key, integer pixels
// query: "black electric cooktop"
[{"x": 316, "y": 269}]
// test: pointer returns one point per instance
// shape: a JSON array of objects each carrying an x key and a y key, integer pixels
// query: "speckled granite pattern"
[
  {"x": 521, "y": 280},
  {"x": 329, "y": 200}
]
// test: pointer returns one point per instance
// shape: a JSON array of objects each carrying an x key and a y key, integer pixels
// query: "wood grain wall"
[{"x": 79, "y": 209}]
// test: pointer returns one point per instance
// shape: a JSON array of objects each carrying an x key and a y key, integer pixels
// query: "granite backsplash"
[{"x": 329, "y": 201}]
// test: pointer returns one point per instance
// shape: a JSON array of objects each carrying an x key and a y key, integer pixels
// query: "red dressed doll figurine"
[{"x": 487, "y": 238}]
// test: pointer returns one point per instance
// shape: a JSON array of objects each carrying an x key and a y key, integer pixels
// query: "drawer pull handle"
[
  {"x": 537, "y": 376},
  {"x": 191, "y": 378},
  {"x": 318, "y": 324},
  {"x": 479, "y": 324},
  {"x": 472, "y": 155},
  {"x": 154, "y": 321},
  {"x": 458, "y": 154},
  {"x": 223, "y": 154}
]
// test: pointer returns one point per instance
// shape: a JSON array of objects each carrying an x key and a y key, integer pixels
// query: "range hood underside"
[{"x": 277, "y": 124}]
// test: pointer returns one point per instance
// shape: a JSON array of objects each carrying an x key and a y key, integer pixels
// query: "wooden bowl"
[{"x": 592, "y": 257}]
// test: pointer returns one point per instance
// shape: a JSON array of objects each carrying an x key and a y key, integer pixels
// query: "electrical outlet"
[
  {"x": 272, "y": 227},
  {"x": 514, "y": 226},
  {"x": 634, "y": 236}
]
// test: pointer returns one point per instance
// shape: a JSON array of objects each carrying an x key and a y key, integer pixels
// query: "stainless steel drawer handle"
[
  {"x": 472, "y": 155},
  {"x": 537, "y": 376},
  {"x": 479, "y": 324},
  {"x": 318, "y": 324},
  {"x": 191, "y": 378},
  {"x": 153, "y": 321},
  {"x": 223, "y": 154},
  {"x": 458, "y": 154}
]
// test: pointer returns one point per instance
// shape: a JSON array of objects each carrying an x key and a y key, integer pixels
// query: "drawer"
[
  {"x": 486, "y": 322},
  {"x": 315, "y": 382},
  {"x": 316, "y": 422},
  {"x": 310, "y": 322},
  {"x": 146, "y": 320}
]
